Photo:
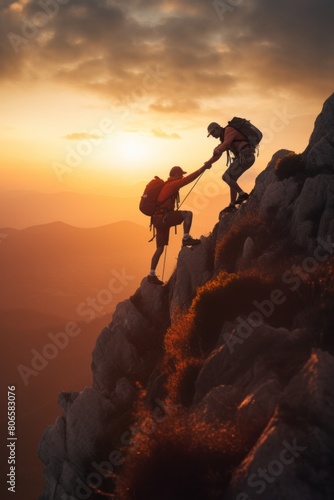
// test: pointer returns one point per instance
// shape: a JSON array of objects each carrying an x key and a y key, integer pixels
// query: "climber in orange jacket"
[
  {"x": 165, "y": 215},
  {"x": 244, "y": 157}
]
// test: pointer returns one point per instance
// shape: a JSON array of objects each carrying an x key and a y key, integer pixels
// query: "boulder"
[
  {"x": 319, "y": 154},
  {"x": 292, "y": 458},
  {"x": 192, "y": 272}
]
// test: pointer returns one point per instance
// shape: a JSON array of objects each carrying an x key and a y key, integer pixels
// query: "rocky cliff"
[{"x": 219, "y": 384}]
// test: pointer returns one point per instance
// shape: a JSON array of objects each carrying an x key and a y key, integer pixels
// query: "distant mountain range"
[
  {"x": 20, "y": 209},
  {"x": 52, "y": 268}
]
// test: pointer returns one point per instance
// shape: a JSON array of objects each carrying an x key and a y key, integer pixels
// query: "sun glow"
[{"x": 132, "y": 148}]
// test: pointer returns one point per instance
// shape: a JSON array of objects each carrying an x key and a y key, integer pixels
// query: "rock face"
[{"x": 219, "y": 384}]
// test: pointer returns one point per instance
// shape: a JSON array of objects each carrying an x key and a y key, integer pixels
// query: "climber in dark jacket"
[{"x": 244, "y": 158}]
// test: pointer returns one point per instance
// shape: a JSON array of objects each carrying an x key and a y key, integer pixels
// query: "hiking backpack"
[
  {"x": 149, "y": 199},
  {"x": 247, "y": 129}
]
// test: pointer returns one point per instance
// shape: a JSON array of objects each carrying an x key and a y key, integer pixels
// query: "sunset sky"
[{"x": 98, "y": 95}]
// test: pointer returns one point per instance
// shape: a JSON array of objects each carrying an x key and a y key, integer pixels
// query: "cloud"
[
  {"x": 157, "y": 132},
  {"x": 207, "y": 51},
  {"x": 80, "y": 136}
]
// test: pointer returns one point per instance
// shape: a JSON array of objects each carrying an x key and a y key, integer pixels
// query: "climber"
[
  {"x": 244, "y": 157},
  {"x": 165, "y": 215}
]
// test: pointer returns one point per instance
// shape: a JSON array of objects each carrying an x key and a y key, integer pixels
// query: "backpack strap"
[
  {"x": 228, "y": 158},
  {"x": 158, "y": 204},
  {"x": 177, "y": 201},
  {"x": 154, "y": 232}
]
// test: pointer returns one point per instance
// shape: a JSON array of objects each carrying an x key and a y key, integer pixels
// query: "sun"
[
  {"x": 132, "y": 148},
  {"x": 126, "y": 152}
]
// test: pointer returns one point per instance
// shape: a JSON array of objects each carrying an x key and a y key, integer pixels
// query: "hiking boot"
[
  {"x": 154, "y": 280},
  {"x": 242, "y": 197},
  {"x": 189, "y": 242}
]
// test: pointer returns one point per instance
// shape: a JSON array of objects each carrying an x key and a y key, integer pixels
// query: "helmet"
[
  {"x": 176, "y": 171},
  {"x": 211, "y": 127}
]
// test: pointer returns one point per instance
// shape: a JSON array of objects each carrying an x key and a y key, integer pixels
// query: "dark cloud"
[
  {"x": 288, "y": 44},
  {"x": 204, "y": 49}
]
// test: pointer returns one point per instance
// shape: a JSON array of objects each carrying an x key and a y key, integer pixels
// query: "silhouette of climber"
[
  {"x": 244, "y": 158},
  {"x": 165, "y": 215}
]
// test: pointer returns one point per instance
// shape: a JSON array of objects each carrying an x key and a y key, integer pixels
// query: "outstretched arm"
[
  {"x": 229, "y": 136},
  {"x": 191, "y": 177},
  {"x": 215, "y": 157},
  {"x": 172, "y": 186}
]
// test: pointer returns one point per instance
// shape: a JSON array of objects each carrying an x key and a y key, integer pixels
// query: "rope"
[
  {"x": 198, "y": 178},
  {"x": 163, "y": 269}
]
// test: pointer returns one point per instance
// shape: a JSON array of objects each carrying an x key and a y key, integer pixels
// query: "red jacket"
[{"x": 169, "y": 192}]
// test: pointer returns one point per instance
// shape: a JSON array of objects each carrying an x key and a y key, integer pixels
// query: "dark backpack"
[
  {"x": 251, "y": 133},
  {"x": 149, "y": 200}
]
